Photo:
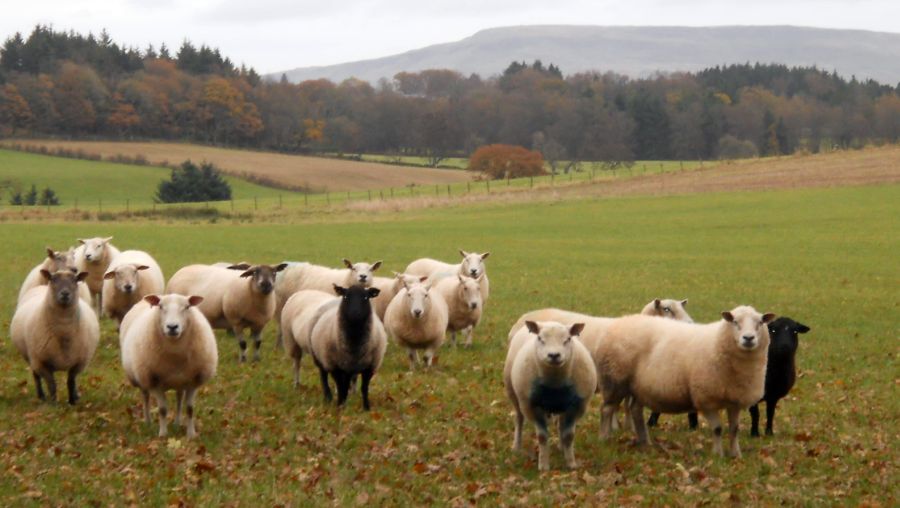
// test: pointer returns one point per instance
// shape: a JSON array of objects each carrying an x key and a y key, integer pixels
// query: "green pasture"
[{"x": 826, "y": 257}]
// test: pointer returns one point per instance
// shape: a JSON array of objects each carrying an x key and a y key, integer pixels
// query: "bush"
[
  {"x": 506, "y": 161},
  {"x": 190, "y": 184},
  {"x": 32, "y": 197},
  {"x": 731, "y": 147}
]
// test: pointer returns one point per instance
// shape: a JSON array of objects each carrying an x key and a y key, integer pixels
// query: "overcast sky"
[{"x": 275, "y": 35}]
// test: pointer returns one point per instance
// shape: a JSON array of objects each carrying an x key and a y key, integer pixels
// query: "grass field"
[
  {"x": 826, "y": 257},
  {"x": 315, "y": 173}
]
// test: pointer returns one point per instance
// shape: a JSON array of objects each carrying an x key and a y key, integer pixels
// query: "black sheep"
[{"x": 781, "y": 372}]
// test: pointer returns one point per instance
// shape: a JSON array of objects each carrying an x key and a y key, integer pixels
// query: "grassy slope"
[
  {"x": 825, "y": 256},
  {"x": 89, "y": 180}
]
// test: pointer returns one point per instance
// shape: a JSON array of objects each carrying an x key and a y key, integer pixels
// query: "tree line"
[{"x": 67, "y": 84}]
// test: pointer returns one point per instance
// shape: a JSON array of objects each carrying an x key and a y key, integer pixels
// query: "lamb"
[
  {"x": 675, "y": 367},
  {"x": 54, "y": 330},
  {"x": 55, "y": 261},
  {"x": 237, "y": 297},
  {"x": 389, "y": 287},
  {"x": 464, "y": 302},
  {"x": 472, "y": 266},
  {"x": 167, "y": 344},
  {"x": 132, "y": 275},
  {"x": 94, "y": 256},
  {"x": 299, "y": 315},
  {"x": 550, "y": 374},
  {"x": 346, "y": 340},
  {"x": 417, "y": 319},
  {"x": 300, "y": 276}
]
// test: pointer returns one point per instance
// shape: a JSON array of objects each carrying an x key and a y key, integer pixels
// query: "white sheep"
[
  {"x": 551, "y": 373},
  {"x": 298, "y": 316},
  {"x": 300, "y": 276},
  {"x": 348, "y": 340},
  {"x": 167, "y": 344},
  {"x": 94, "y": 256},
  {"x": 55, "y": 330},
  {"x": 472, "y": 265},
  {"x": 464, "y": 302},
  {"x": 389, "y": 287},
  {"x": 595, "y": 332},
  {"x": 417, "y": 319},
  {"x": 132, "y": 275},
  {"x": 55, "y": 261},
  {"x": 234, "y": 297},
  {"x": 676, "y": 367}
]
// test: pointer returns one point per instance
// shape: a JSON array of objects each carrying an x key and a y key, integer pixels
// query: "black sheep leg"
[
  {"x": 653, "y": 420},
  {"x": 754, "y": 420},
  {"x": 770, "y": 415},
  {"x": 326, "y": 390},
  {"x": 366, "y": 377},
  {"x": 693, "y": 422},
  {"x": 342, "y": 380},
  {"x": 39, "y": 385},
  {"x": 73, "y": 387}
]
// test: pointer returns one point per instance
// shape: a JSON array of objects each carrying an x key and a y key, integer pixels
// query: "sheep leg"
[
  {"x": 413, "y": 358},
  {"x": 607, "y": 415},
  {"x": 189, "y": 402},
  {"x": 326, "y": 390},
  {"x": 279, "y": 342},
  {"x": 540, "y": 426},
  {"x": 364, "y": 388},
  {"x": 693, "y": 423},
  {"x": 715, "y": 423},
  {"x": 517, "y": 432},
  {"x": 242, "y": 343},
  {"x": 429, "y": 357},
  {"x": 179, "y": 403},
  {"x": 257, "y": 343},
  {"x": 72, "y": 386},
  {"x": 39, "y": 386},
  {"x": 342, "y": 380},
  {"x": 146, "y": 395},
  {"x": 626, "y": 417},
  {"x": 469, "y": 331},
  {"x": 754, "y": 420},
  {"x": 653, "y": 421},
  {"x": 163, "y": 412},
  {"x": 51, "y": 386},
  {"x": 296, "y": 369},
  {"x": 637, "y": 418},
  {"x": 770, "y": 416},
  {"x": 733, "y": 425},
  {"x": 567, "y": 438}
]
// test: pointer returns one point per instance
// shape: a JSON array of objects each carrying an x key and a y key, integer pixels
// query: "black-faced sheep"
[{"x": 781, "y": 369}]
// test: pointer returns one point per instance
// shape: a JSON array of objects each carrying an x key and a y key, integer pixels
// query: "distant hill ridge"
[{"x": 637, "y": 51}]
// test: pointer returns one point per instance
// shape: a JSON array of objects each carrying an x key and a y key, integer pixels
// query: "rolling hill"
[{"x": 637, "y": 51}]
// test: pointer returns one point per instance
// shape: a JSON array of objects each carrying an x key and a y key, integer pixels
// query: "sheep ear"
[
  {"x": 485, "y": 255},
  {"x": 684, "y": 302},
  {"x": 109, "y": 275},
  {"x": 348, "y": 264},
  {"x": 657, "y": 303},
  {"x": 46, "y": 274},
  {"x": 373, "y": 292},
  {"x": 153, "y": 300},
  {"x": 377, "y": 265},
  {"x": 280, "y": 267},
  {"x": 727, "y": 316},
  {"x": 107, "y": 239},
  {"x": 141, "y": 267},
  {"x": 239, "y": 266},
  {"x": 461, "y": 279},
  {"x": 533, "y": 327},
  {"x": 423, "y": 279},
  {"x": 50, "y": 253},
  {"x": 195, "y": 300},
  {"x": 576, "y": 329},
  {"x": 463, "y": 253},
  {"x": 82, "y": 242},
  {"x": 248, "y": 273},
  {"x": 801, "y": 328},
  {"x": 341, "y": 291},
  {"x": 81, "y": 276},
  {"x": 767, "y": 317}
]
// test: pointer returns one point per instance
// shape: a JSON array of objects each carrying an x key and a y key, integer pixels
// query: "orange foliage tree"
[{"x": 502, "y": 161}]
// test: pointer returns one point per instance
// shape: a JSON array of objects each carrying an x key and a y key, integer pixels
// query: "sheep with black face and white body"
[
  {"x": 550, "y": 374},
  {"x": 348, "y": 340}
]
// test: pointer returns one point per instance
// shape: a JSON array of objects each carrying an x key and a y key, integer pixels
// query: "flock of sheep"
[{"x": 342, "y": 319}]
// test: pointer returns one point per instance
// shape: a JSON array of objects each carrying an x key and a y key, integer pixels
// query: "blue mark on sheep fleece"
[{"x": 554, "y": 399}]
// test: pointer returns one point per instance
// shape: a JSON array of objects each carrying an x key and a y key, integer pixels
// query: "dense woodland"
[{"x": 66, "y": 84}]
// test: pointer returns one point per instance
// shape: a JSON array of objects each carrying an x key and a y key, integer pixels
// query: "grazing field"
[
  {"x": 87, "y": 181},
  {"x": 314, "y": 173},
  {"x": 826, "y": 257}
]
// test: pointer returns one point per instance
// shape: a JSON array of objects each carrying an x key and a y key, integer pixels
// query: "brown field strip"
[{"x": 314, "y": 173}]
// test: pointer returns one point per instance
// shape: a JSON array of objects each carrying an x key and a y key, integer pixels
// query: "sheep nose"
[
  {"x": 474, "y": 306},
  {"x": 173, "y": 329},
  {"x": 362, "y": 278},
  {"x": 748, "y": 338},
  {"x": 474, "y": 272},
  {"x": 87, "y": 256},
  {"x": 554, "y": 357},
  {"x": 128, "y": 288},
  {"x": 417, "y": 312},
  {"x": 64, "y": 295}
]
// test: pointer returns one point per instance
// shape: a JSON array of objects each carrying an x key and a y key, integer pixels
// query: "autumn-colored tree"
[
  {"x": 123, "y": 117},
  {"x": 14, "y": 110},
  {"x": 506, "y": 161}
]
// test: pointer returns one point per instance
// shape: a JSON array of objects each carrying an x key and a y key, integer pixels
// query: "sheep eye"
[{"x": 667, "y": 310}]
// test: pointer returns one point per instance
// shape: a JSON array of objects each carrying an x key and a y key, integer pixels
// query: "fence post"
[
  {"x": 348, "y": 196},
  {"x": 507, "y": 179},
  {"x": 468, "y": 187},
  {"x": 448, "y": 190},
  {"x": 488, "y": 185},
  {"x": 660, "y": 167},
  {"x": 552, "y": 177},
  {"x": 76, "y": 204},
  {"x": 100, "y": 205},
  {"x": 681, "y": 163},
  {"x": 306, "y": 199},
  {"x": 232, "y": 205},
  {"x": 381, "y": 193},
  {"x": 328, "y": 198},
  {"x": 255, "y": 203},
  {"x": 571, "y": 175},
  {"x": 392, "y": 193},
  {"x": 645, "y": 168},
  {"x": 531, "y": 181},
  {"x": 280, "y": 203},
  {"x": 370, "y": 195}
]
